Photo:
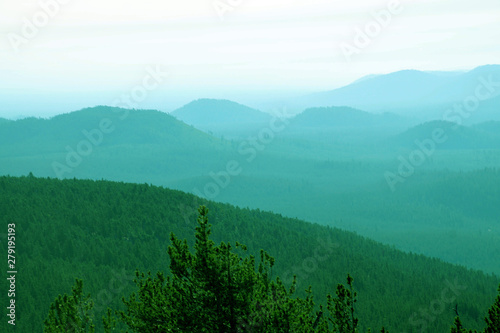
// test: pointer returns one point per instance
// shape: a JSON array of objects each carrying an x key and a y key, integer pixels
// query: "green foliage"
[
  {"x": 217, "y": 290},
  {"x": 104, "y": 231},
  {"x": 493, "y": 318},
  {"x": 71, "y": 313},
  {"x": 342, "y": 308},
  {"x": 214, "y": 290},
  {"x": 457, "y": 326},
  {"x": 109, "y": 322},
  {"x": 452, "y": 197}
]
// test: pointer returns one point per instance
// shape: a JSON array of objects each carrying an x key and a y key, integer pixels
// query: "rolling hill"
[
  {"x": 332, "y": 180},
  {"x": 102, "y": 231},
  {"x": 211, "y": 111},
  {"x": 222, "y": 117},
  {"x": 346, "y": 118},
  {"x": 106, "y": 142},
  {"x": 453, "y": 136},
  {"x": 410, "y": 92},
  {"x": 487, "y": 110},
  {"x": 492, "y": 127}
]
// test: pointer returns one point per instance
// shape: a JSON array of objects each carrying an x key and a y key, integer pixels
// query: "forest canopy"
[{"x": 215, "y": 289}]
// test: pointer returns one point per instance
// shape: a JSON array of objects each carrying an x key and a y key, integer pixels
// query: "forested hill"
[
  {"x": 117, "y": 126},
  {"x": 101, "y": 231},
  {"x": 204, "y": 112},
  {"x": 107, "y": 143},
  {"x": 346, "y": 118},
  {"x": 481, "y": 136},
  {"x": 222, "y": 117}
]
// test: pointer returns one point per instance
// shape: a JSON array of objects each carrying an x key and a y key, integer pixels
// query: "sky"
[{"x": 61, "y": 55}]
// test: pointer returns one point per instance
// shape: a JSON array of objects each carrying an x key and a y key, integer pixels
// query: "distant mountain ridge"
[
  {"x": 409, "y": 91},
  {"x": 481, "y": 136},
  {"x": 202, "y": 112},
  {"x": 223, "y": 118},
  {"x": 304, "y": 165},
  {"x": 344, "y": 117},
  {"x": 489, "y": 126}
]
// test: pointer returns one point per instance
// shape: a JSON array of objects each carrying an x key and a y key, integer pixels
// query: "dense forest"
[
  {"x": 260, "y": 166},
  {"x": 326, "y": 165},
  {"x": 102, "y": 232},
  {"x": 216, "y": 290}
]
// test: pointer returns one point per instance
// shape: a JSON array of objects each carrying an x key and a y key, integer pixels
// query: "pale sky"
[{"x": 88, "y": 52}]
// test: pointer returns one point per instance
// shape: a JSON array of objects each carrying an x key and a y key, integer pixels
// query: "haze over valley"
[{"x": 196, "y": 167}]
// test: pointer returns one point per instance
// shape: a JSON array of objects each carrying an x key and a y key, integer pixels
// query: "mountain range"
[
  {"x": 320, "y": 164},
  {"x": 424, "y": 95},
  {"x": 204, "y": 112}
]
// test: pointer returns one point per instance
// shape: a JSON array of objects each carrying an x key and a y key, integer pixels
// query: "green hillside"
[
  {"x": 492, "y": 127},
  {"x": 222, "y": 118},
  {"x": 101, "y": 231},
  {"x": 481, "y": 136},
  {"x": 328, "y": 176},
  {"x": 213, "y": 111},
  {"x": 111, "y": 143},
  {"x": 346, "y": 117}
]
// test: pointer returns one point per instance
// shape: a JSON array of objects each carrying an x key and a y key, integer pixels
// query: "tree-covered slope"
[
  {"x": 328, "y": 176},
  {"x": 205, "y": 111},
  {"x": 101, "y": 231},
  {"x": 222, "y": 118},
  {"x": 345, "y": 117},
  {"x": 117, "y": 126},
  {"x": 448, "y": 135},
  {"x": 111, "y": 143}
]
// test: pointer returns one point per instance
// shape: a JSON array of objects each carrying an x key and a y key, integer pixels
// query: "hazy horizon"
[
  {"x": 334, "y": 139},
  {"x": 264, "y": 101},
  {"x": 58, "y": 56}
]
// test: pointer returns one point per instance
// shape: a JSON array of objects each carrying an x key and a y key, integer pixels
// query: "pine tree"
[
  {"x": 216, "y": 290},
  {"x": 458, "y": 327},
  {"x": 71, "y": 313},
  {"x": 493, "y": 318},
  {"x": 213, "y": 290},
  {"x": 342, "y": 308}
]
